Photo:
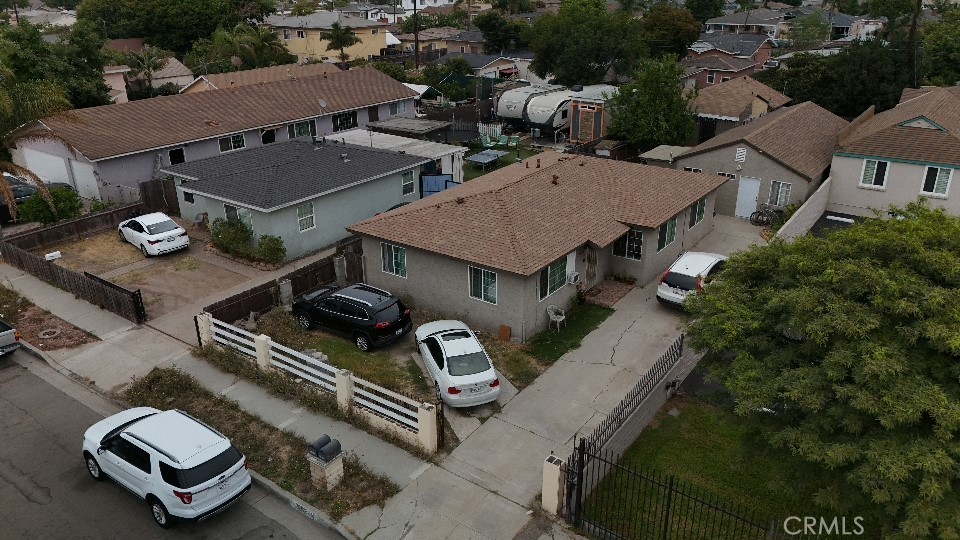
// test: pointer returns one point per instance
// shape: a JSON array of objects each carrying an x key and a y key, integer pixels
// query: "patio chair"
[
  {"x": 487, "y": 142},
  {"x": 503, "y": 141},
  {"x": 514, "y": 141},
  {"x": 557, "y": 316}
]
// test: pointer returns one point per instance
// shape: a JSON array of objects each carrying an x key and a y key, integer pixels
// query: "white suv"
[
  {"x": 687, "y": 275},
  {"x": 182, "y": 467}
]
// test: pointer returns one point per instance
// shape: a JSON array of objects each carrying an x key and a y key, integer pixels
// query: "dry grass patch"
[
  {"x": 276, "y": 454},
  {"x": 97, "y": 253},
  {"x": 513, "y": 361}
]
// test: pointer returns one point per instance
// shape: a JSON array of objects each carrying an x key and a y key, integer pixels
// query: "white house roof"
[
  {"x": 392, "y": 39},
  {"x": 418, "y": 88},
  {"x": 385, "y": 141}
]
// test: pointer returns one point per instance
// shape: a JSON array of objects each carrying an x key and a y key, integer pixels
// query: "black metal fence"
[{"x": 635, "y": 503}]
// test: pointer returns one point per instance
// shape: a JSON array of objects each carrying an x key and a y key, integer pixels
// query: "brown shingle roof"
[
  {"x": 125, "y": 128},
  {"x": 802, "y": 137},
  {"x": 516, "y": 219},
  {"x": 732, "y": 97},
  {"x": 237, "y": 79},
  {"x": 133, "y": 45},
  {"x": 882, "y": 136},
  {"x": 719, "y": 63}
]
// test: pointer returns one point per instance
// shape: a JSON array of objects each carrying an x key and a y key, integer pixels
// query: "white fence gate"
[{"x": 493, "y": 129}]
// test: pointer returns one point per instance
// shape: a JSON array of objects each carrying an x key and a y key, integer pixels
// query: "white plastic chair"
[{"x": 557, "y": 316}]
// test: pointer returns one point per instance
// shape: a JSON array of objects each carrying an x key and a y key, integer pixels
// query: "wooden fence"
[
  {"x": 160, "y": 195},
  {"x": 127, "y": 304},
  {"x": 73, "y": 228}
]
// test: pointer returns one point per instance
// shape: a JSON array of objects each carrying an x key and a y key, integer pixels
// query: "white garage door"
[{"x": 48, "y": 167}]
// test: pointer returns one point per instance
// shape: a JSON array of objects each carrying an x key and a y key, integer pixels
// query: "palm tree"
[
  {"x": 146, "y": 62},
  {"x": 259, "y": 46},
  {"x": 340, "y": 37},
  {"x": 21, "y": 104}
]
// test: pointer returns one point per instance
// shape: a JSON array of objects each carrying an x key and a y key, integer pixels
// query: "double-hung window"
[
  {"x": 305, "y": 216},
  {"x": 393, "y": 259},
  {"x": 630, "y": 245},
  {"x": 553, "y": 277},
  {"x": 407, "y": 183},
  {"x": 398, "y": 107},
  {"x": 233, "y": 142},
  {"x": 344, "y": 121},
  {"x": 667, "y": 234},
  {"x": 874, "y": 173},
  {"x": 696, "y": 212},
  {"x": 236, "y": 214},
  {"x": 483, "y": 284},
  {"x": 302, "y": 129},
  {"x": 936, "y": 181},
  {"x": 779, "y": 193},
  {"x": 301, "y": 34}
]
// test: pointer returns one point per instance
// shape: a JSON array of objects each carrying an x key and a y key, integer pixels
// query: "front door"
[
  {"x": 747, "y": 194},
  {"x": 591, "y": 255}
]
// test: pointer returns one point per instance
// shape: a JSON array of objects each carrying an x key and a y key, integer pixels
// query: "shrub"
[
  {"x": 270, "y": 249},
  {"x": 231, "y": 237},
  {"x": 100, "y": 206},
  {"x": 66, "y": 202}
]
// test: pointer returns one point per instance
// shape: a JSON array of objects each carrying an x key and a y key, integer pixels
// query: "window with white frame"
[
  {"x": 233, "y": 142},
  {"x": 176, "y": 156},
  {"x": 398, "y": 107},
  {"x": 301, "y": 34},
  {"x": 724, "y": 79},
  {"x": 302, "y": 129},
  {"x": 667, "y": 234},
  {"x": 711, "y": 77},
  {"x": 463, "y": 49},
  {"x": 630, "y": 245},
  {"x": 936, "y": 181},
  {"x": 728, "y": 175},
  {"x": 407, "y": 183},
  {"x": 235, "y": 214},
  {"x": 344, "y": 121},
  {"x": 553, "y": 277},
  {"x": 779, "y": 193},
  {"x": 692, "y": 169},
  {"x": 696, "y": 212},
  {"x": 874, "y": 173},
  {"x": 188, "y": 197},
  {"x": 483, "y": 284},
  {"x": 305, "y": 216},
  {"x": 286, "y": 34},
  {"x": 375, "y": 32},
  {"x": 741, "y": 155},
  {"x": 393, "y": 259}
]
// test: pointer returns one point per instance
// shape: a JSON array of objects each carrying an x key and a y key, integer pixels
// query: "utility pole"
[{"x": 416, "y": 37}]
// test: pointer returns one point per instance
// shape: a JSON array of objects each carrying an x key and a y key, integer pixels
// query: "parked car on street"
[
  {"x": 154, "y": 234},
  {"x": 9, "y": 338},
  {"x": 688, "y": 274},
  {"x": 461, "y": 369},
  {"x": 183, "y": 468},
  {"x": 371, "y": 317}
]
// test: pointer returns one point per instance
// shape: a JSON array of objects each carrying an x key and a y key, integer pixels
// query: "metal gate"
[{"x": 435, "y": 183}]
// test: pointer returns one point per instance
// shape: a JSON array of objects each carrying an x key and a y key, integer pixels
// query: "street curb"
[
  {"x": 301, "y": 506},
  {"x": 61, "y": 369}
]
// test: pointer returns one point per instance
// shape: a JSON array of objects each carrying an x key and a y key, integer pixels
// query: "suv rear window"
[
  {"x": 391, "y": 312},
  {"x": 188, "y": 478},
  {"x": 681, "y": 281}
]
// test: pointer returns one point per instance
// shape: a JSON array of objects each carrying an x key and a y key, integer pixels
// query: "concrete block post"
[
  {"x": 551, "y": 494},
  {"x": 205, "y": 329},
  {"x": 326, "y": 474},
  {"x": 340, "y": 267},
  {"x": 427, "y": 427},
  {"x": 262, "y": 345},
  {"x": 344, "y": 389},
  {"x": 286, "y": 294}
]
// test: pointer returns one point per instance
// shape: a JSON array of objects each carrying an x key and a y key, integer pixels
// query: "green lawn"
[
  {"x": 549, "y": 345},
  {"x": 471, "y": 171},
  {"x": 710, "y": 451}
]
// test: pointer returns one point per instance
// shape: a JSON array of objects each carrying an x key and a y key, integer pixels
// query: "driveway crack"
[{"x": 617, "y": 344}]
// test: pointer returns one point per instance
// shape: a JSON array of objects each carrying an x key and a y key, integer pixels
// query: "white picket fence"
[
  {"x": 417, "y": 422},
  {"x": 492, "y": 129}
]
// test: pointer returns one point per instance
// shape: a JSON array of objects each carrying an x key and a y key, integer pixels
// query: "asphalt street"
[{"x": 45, "y": 491}]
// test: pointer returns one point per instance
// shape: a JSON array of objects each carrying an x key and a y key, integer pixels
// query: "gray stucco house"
[
  {"x": 501, "y": 248},
  {"x": 891, "y": 158},
  {"x": 118, "y": 146},
  {"x": 306, "y": 192},
  {"x": 779, "y": 159}
]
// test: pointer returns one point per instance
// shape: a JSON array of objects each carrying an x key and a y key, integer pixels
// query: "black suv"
[{"x": 370, "y": 316}]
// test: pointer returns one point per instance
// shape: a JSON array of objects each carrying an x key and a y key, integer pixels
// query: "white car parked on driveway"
[
  {"x": 154, "y": 234},
  {"x": 459, "y": 365},
  {"x": 687, "y": 275}
]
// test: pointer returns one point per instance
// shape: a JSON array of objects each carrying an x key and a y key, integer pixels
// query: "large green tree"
[
  {"x": 705, "y": 9},
  {"x": 941, "y": 57},
  {"x": 654, "y": 107},
  {"x": 582, "y": 43},
  {"x": 500, "y": 33},
  {"x": 845, "y": 351},
  {"x": 669, "y": 30},
  {"x": 243, "y": 47},
  {"x": 457, "y": 19},
  {"x": 808, "y": 32}
]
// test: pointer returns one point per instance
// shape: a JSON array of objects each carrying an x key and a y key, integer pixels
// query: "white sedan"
[
  {"x": 154, "y": 234},
  {"x": 459, "y": 365}
]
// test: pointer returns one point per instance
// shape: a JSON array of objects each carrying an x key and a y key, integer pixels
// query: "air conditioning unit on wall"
[{"x": 573, "y": 278}]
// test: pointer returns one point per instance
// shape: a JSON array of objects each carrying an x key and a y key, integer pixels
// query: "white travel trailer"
[
  {"x": 551, "y": 112},
  {"x": 512, "y": 104}
]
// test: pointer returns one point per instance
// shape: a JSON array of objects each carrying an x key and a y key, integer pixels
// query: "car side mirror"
[{"x": 101, "y": 450}]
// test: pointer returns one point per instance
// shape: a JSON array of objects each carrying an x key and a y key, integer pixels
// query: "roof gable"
[
  {"x": 731, "y": 98},
  {"x": 921, "y": 122}
]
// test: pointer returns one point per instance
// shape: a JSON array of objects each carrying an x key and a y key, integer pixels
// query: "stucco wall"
[
  {"x": 313, "y": 47},
  {"x": 804, "y": 218},
  {"x": 903, "y": 185},
  {"x": 332, "y": 213},
  {"x": 756, "y": 165}
]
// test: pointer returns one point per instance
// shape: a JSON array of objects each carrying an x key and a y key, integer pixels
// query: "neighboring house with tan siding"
[
  {"x": 236, "y": 79},
  {"x": 778, "y": 159},
  {"x": 118, "y": 146},
  {"x": 430, "y": 39},
  {"x": 302, "y": 35},
  {"x": 893, "y": 157},
  {"x": 732, "y": 103},
  {"x": 501, "y": 248}
]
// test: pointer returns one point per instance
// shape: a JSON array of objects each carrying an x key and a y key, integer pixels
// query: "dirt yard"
[
  {"x": 176, "y": 280},
  {"x": 39, "y": 327},
  {"x": 98, "y": 253}
]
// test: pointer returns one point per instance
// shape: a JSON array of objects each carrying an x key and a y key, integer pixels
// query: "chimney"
[
  {"x": 459, "y": 200},
  {"x": 556, "y": 179},
  {"x": 528, "y": 164},
  {"x": 538, "y": 163}
]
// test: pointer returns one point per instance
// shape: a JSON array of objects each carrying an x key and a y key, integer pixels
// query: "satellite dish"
[{"x": 323, "y": 104}]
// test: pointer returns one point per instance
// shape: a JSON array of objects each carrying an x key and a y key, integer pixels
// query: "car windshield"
[
  {"x": 681, "y": 281},
  {"x": 188, "y": 478},
  {"x": 468, "y": 364},
  {"x": 162, "y": 227}
]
